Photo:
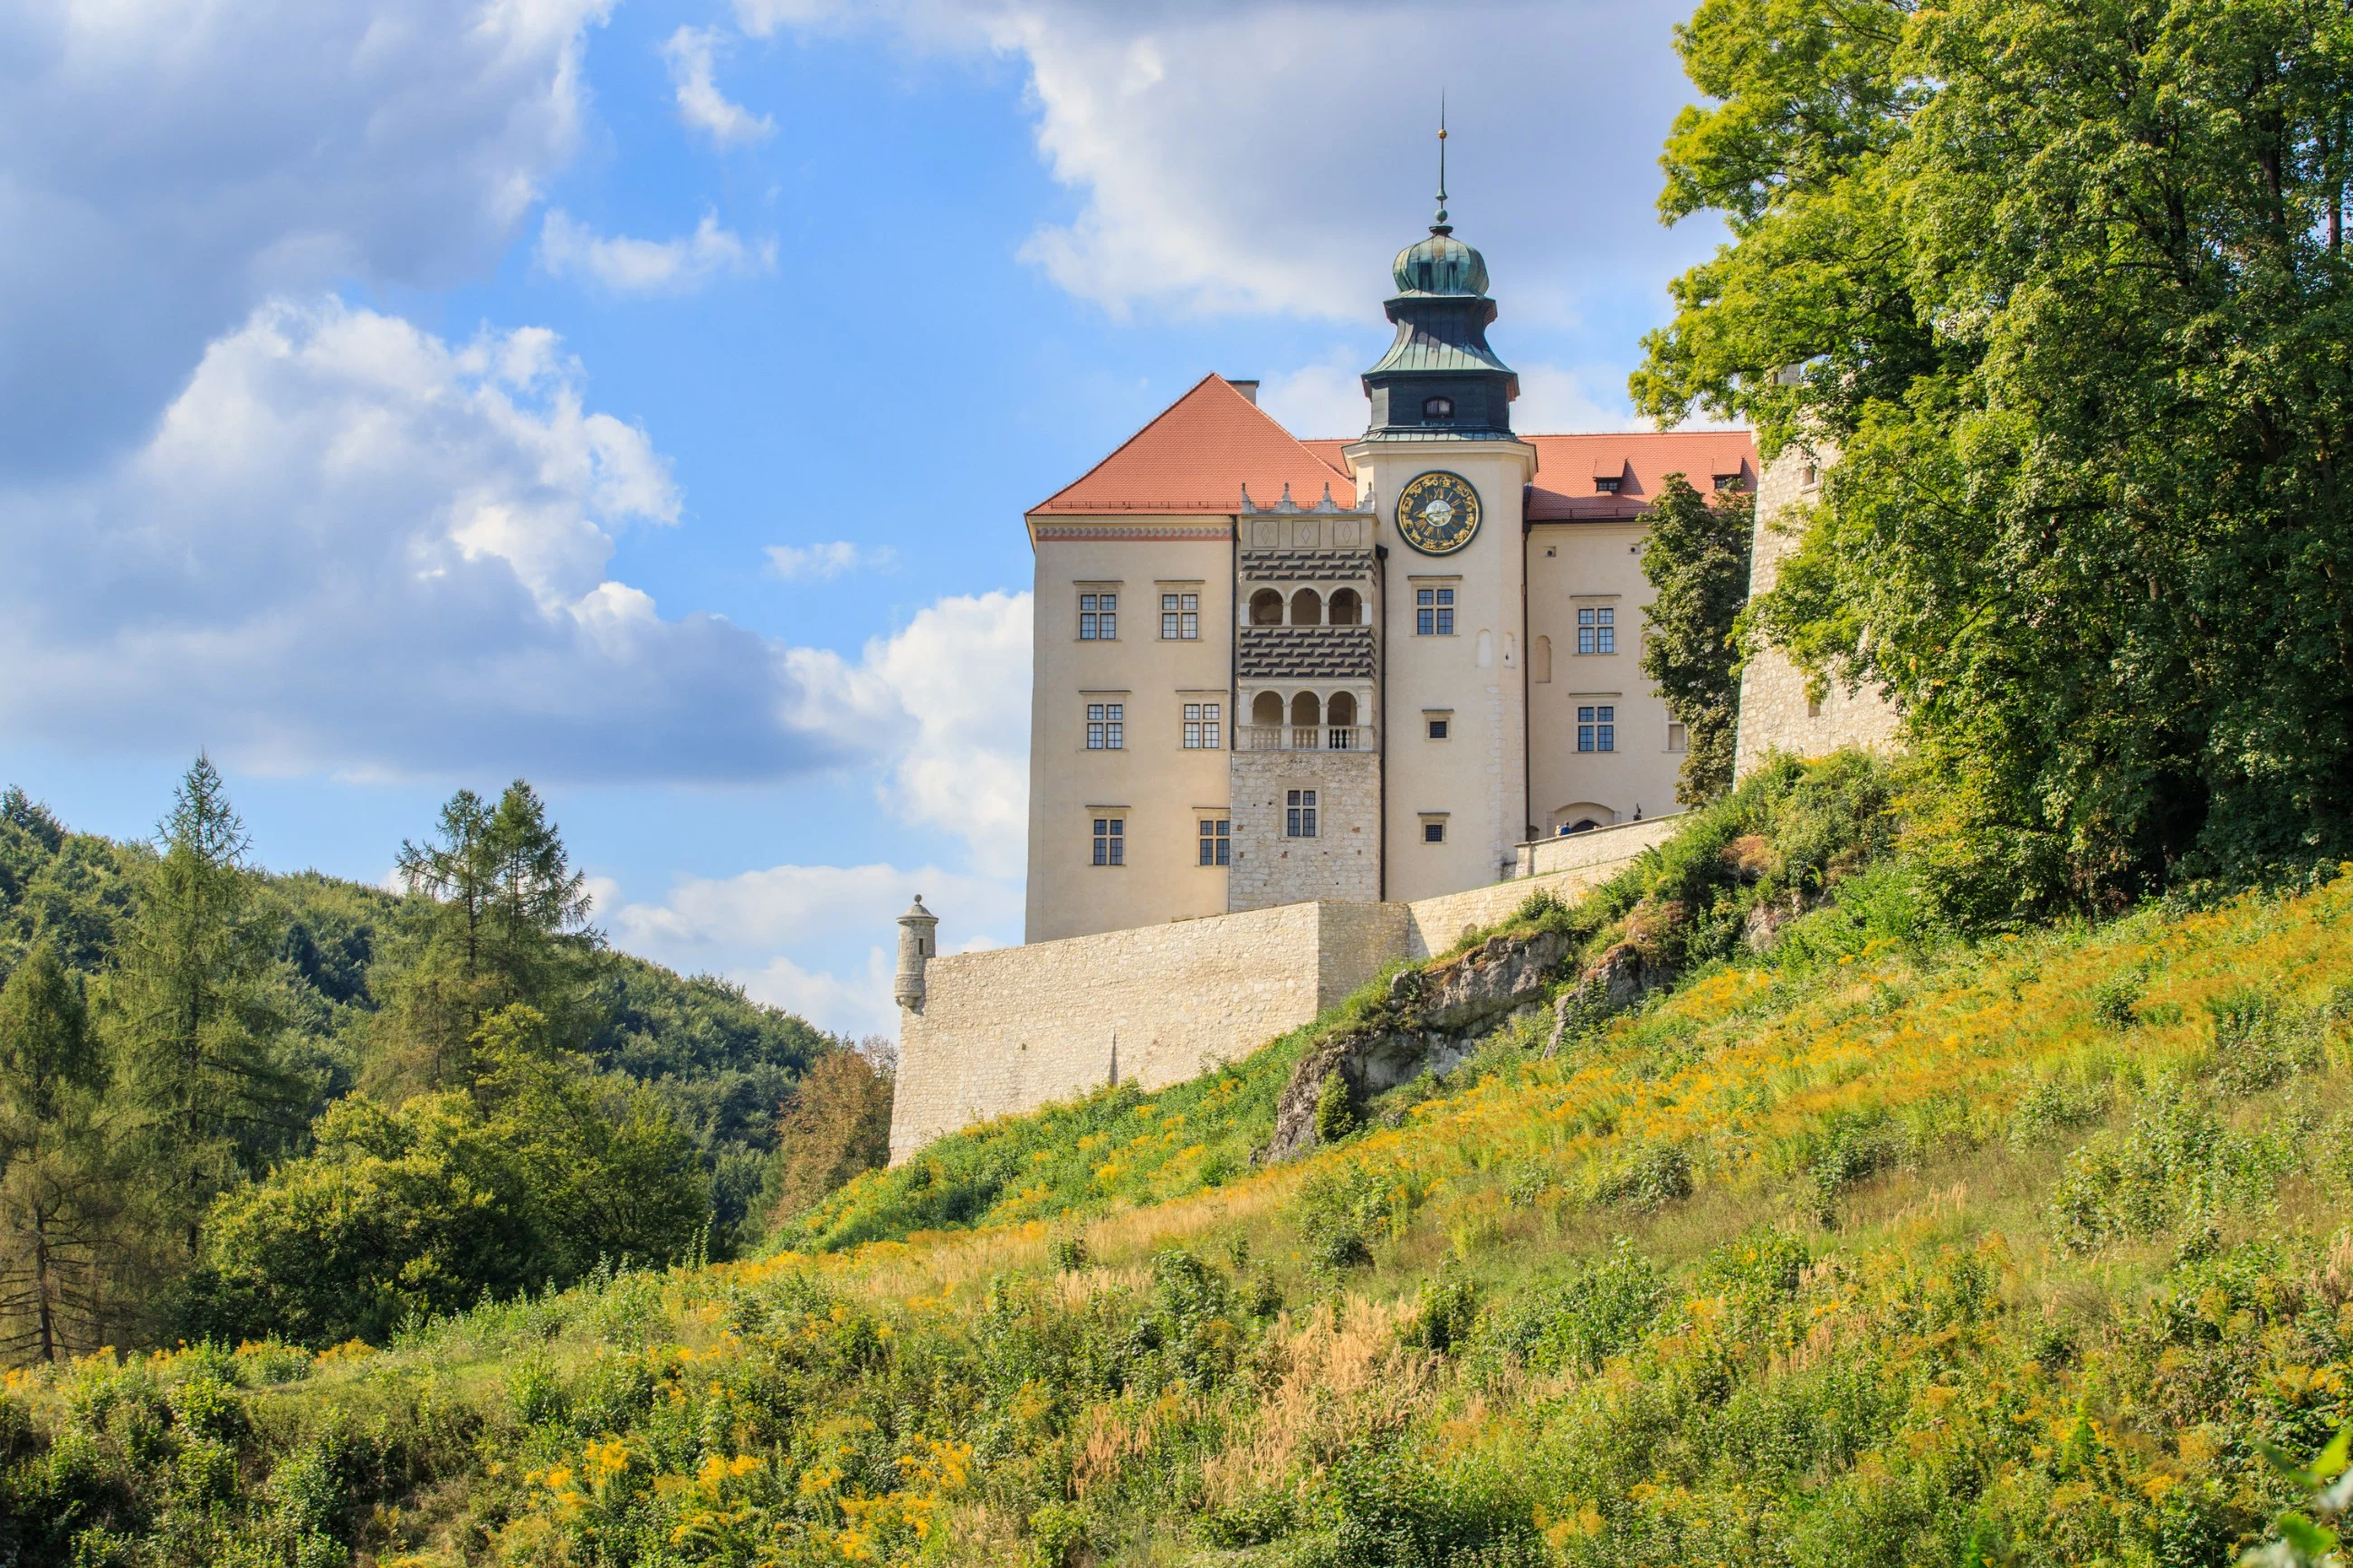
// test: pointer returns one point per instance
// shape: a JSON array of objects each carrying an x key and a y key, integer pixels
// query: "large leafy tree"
[
  {"x": 2066, "y": 287},
  {"x": 1695, "y": 556}
]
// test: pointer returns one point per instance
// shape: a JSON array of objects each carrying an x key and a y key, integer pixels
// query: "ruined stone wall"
[
  {"x": 1775, "y": 715},
  {"x": 1018, "y": 1027},
  {"x": 1343, "y": 862}
]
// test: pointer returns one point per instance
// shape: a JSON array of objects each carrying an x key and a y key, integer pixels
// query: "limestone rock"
[
  {"x": 1433, "y": 1021},
  {"x": 1617, "y": 979}
]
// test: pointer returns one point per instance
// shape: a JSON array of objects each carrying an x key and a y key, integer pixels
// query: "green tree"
[
  {"x": 196, "y": 1011},
  {"x": 2066, "y": 287},
  {"x": 1696, "y": 558},
  {"x": 545, "y": 1171},
  {"x": 499, "y": 919},
  {"x": 64, "y": 1243}
]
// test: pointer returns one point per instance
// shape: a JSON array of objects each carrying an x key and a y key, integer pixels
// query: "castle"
[{"x": 1300, "y": 707}]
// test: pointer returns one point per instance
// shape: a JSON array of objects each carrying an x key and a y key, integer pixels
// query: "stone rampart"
[
  {"x": 1015, "y": 1028},
  {"x": 1567, "y": 868}
]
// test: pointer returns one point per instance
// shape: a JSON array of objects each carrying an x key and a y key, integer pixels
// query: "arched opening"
[
  {"x": 1266, "y": 609},
  {"x": 1582, "y": 825},
  {"x": 1540, "y": 664},
  {"x": 1582, "y": 816},
  {"x": 1304, "y": 711},
  {"x": 1340, "y": 721},
  {"x": 1266, "y": 721},
  {"x": 1307, "y": 608},
  {"x": 1347, "y": 610}
]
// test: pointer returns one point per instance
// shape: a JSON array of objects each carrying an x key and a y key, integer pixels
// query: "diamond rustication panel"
[
  {"x": 1306, "y": 565},
  {"x": 1306, "y": 653}
]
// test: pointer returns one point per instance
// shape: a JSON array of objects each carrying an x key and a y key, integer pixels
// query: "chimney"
[{"x": 1246, "y": 388}]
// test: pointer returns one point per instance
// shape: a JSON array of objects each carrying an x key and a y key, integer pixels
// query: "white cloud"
[
  {"x": 736, "y": 926},
  {"x": 1554, "y": 401},
  {"x": 352, "y": 546},
  {"x": 169, "y": 167},
  {"x": 621, "y": 264},
  {"x": 1321, "y": 399},
  {"x": 701, "y": 104},
  {"x": 953, "y": 688},
  {"x": 1239, "y": 155},
  {"x": 802, "y": 562}
]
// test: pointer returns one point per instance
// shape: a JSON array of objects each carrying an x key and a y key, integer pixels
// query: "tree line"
[{"x": 235, "y": 1105}]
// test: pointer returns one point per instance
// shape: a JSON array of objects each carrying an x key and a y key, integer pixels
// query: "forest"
[{"x": 240, "y": 1105}]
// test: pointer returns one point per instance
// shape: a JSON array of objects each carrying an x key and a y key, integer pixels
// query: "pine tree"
[
  {"x": 64, "y": 1229},
  {"x": 1696, "y": 557},
  {"x": 498, "y": 920},
  {"x": 194, "y": 1006}
]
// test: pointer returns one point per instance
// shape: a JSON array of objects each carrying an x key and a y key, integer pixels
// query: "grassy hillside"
[{"x": 1881, "y": 1248}]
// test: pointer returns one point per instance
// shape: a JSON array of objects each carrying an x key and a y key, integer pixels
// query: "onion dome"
[{"x": 1440, "y": 265}]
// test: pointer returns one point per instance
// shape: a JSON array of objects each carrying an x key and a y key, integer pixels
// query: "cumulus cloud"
[
  {"x": 620, "y": 265},
  {"x": 803, "y": 562},
  {"x": 170, "y": 167},
  {"x": 1233, "y": 156},
  {"x": 735, "y": 926},
  {"x": 953, "y": 689},
  {"x": 701, "y": 104}
]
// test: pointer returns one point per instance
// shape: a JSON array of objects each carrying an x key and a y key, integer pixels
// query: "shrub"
[
  {"x": 1601, "y": 1308},
  {"x": 1647, "y": 1176},
  {"x": 2175, "y": 1166},
  {"x": 1342, "y": 1212},
  {"x": 1335, "y": 1109}
]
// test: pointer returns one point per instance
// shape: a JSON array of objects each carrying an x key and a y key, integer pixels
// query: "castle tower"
[
  {"x": 1441, "y": 468},
  {"x": 918, "y": 942}
]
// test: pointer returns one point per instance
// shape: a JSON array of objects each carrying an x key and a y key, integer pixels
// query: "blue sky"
[{"x": 642, "y": 398}]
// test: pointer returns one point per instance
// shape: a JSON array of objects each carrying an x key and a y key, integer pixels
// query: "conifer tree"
[
  {"x": 195, "y": 1008},
  {"x": 1696, "y": 557},
  {"x": 64, "y": 1224},
  {"x": 500, "y": 921}
]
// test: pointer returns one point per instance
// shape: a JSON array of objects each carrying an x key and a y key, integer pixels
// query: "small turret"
[{"x": 918, "y": 939}]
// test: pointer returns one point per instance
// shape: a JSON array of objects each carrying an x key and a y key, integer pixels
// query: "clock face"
[{"x": 1438, "y": 513}]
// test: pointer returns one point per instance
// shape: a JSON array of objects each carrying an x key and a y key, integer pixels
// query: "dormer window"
[
  {"x": 1438, "y": 408},
  {"x": 1727, "y": 482},
  {"x": 1608, "y": 487}
]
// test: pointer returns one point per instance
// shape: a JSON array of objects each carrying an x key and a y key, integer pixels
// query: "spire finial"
[{"x": 1442, "y": 226}]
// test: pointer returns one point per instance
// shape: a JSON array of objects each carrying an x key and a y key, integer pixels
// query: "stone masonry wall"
[
  {"x": 1433, "y": 925},
  {"x": 1341, "y": 862},
  {"x": 1774, "y": 715},
  {"x": 1017, "y": 1027}
]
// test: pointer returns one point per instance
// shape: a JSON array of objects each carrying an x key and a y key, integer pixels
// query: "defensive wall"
[{"x": 1014, "y": 1028}]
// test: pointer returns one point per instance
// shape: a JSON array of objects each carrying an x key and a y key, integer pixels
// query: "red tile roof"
[
  {"x": 1197, "y": 457},
  {"x": 1566, "y": 465}
]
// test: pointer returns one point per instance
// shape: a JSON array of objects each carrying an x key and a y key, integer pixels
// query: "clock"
[{"x": 1438, "y": 513}]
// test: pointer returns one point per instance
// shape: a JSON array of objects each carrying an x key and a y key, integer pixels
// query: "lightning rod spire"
[{"x": 1442, "y": 226}]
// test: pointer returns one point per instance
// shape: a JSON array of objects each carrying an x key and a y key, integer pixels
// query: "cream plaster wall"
[
  {"x": 1477, "y": 777},
  {"x": 1016, "y": 1028},
  {"x": 1573, "y": 566},
  {"x": 1775, "y": 714},
  {"x": 1157, "y": 787}
]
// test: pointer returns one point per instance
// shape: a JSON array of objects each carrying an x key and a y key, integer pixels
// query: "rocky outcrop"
[
  {"x": 1431, "y": 1020},
  {"x": 1618, "y": 980}
]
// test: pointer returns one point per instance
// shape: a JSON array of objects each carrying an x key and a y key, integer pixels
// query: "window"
[
  {"x": 1597, "y": 729},
  {"x": 1678, "y": 737},
  {"x": 1813, "y": 706},
  {"x": 1433, "y": 830},
  {"x": 1438, "y": 408},
  {"x": 1106, "y": 726},
  {"x": 1201, "y": 723},
  {"x": 1180, "y": 617},
  {"x": 1299, "y": 819},
  {"x": 1608, "y": 487},
  {"x": 1433, "y": 612},
  {"x": 1727, "y": 482},
  {"x": 1438, "y": 728},
  {"x": 1596, "y": 629},
  {"x": 1098, "y": 618},
  {"x": 1216, "y": 842},
  {"x": 1110, "y": 841}
]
